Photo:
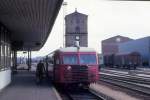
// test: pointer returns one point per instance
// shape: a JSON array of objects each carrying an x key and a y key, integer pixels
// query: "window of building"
[
  {"x": 77, "y": 20},
  {"x": 5, "y": 56},
  {"x": 71, "y": 21},
  {"x": 82, "y": 21},
  {"x": 0, "y": 45},
  {"x": 2, "y": 55},
  {"x": 9, "y": 56},
  {"x": 77, "y": 29}
]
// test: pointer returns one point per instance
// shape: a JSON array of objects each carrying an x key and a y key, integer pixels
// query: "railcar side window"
[
  {"x": 57, "y": 61},
  {"x": 88, "y": 59},
  {"x": 70, "y": 59}
]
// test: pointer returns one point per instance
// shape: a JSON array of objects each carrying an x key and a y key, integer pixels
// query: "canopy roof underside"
[{"x": 29, "y": 21}]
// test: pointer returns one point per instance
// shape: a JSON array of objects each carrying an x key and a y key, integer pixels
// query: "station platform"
[{"x": 24, "y": 87}]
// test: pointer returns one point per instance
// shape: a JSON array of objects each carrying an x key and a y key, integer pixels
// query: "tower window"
[
  {"x": 77, "y": 29},
  {"x": 77, "y": 19},
  {"x": 83, "y": 21},
  {"x": 71, "y": 21}
]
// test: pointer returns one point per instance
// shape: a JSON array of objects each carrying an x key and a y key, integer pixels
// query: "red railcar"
[{"x": 74, "y": 65}]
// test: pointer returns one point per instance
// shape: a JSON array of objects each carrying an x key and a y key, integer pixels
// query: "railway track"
[
  {"x": 127, "y": 71},
  {"x": 79, "y": 94},
  {"x": 136, "y": 79},
  {"x": 129, "y": 84},
  {"x": 83, "y": 95},
  {"x": 129, "y": 76}
]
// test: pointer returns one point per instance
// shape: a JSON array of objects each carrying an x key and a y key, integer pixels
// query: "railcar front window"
[
  {"x": 70, "y": 59},
  {"x": 88, "y": 59}
]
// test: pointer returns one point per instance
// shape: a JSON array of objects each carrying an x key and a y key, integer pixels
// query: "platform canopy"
[{"x": 29, "y": 21}]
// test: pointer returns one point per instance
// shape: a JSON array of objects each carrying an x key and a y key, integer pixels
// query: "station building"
[
  {"x": 76, "y": 29},
  {"x": 24, "y": 26},
  {"x": 141, "y": 45},
  {"x": 5, "y": 56}
]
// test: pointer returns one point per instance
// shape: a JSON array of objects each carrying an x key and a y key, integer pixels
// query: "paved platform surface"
[{"x": 23, "y": 87}]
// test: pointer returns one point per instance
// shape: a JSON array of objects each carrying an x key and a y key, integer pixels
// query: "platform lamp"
[{"x": 64, "y": 14}]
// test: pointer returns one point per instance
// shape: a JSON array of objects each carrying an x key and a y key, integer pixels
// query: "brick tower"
[{"x": 76, "y": 29}]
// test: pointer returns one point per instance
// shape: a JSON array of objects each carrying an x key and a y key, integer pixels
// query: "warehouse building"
[
  {"x": 140, "y": 45},
  {"x": 110, "y": 45}
]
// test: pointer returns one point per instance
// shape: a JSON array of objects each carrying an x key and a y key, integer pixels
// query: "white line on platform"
[{"x": 57, "y": 94}]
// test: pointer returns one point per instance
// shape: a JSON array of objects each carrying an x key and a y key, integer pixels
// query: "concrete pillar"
[
  {"x": 14, "y": 60},
  {"x": 29, "y": 60},
  {"x": 46, "y": 66}
]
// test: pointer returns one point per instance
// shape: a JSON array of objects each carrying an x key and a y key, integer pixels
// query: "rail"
[
  {"x": 79, "y": 94},
  {"x": 130, "y": 78},
  {"x": 83, "y": 95},
  {"x": 142, "y": 88}
]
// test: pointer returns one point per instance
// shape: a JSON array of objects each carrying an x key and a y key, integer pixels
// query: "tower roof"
[{"x": 76, "y": 13}]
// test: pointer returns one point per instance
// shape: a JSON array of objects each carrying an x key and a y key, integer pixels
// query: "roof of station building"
[{"x": 117, "y": 39}]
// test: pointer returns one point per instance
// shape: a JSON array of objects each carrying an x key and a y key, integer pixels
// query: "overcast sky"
[{"x": 105, "y": 19}]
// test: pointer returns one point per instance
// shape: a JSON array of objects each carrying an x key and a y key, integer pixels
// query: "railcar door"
[{"x": 56, "y": 68}]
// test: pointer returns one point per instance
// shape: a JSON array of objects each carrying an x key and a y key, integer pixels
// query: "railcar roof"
[{"x": 75, "y": 49}]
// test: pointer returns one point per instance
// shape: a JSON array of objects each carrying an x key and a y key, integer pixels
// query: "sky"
[{"x": 105, "y": 19}]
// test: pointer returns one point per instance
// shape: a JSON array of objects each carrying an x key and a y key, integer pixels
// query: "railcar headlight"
[{"x": 69, "y": 68}]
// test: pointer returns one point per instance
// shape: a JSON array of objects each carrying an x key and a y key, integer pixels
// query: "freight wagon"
[{"x": 129, "y": 60}]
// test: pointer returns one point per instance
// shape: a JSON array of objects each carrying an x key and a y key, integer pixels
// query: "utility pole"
[{"x": 64, "y": 14}]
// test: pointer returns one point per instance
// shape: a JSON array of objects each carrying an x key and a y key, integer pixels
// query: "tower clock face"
[{"x": 77, "y": 37}]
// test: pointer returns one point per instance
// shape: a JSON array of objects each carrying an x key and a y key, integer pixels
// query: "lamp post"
[{"x": 64, "y": 14}]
